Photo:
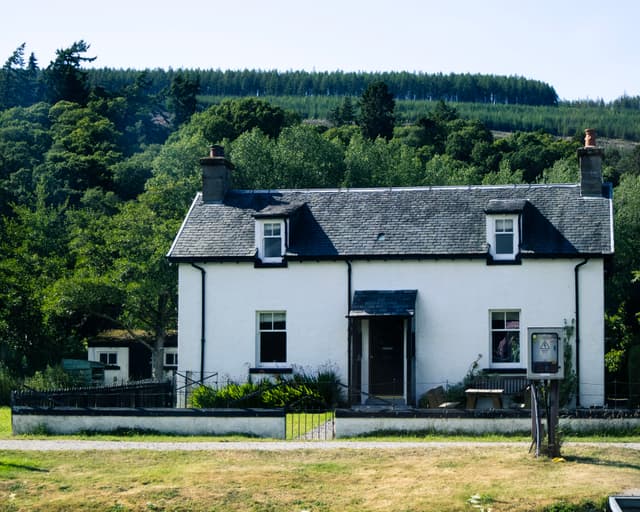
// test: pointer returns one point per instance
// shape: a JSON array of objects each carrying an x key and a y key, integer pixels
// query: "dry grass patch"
[{"x": 427, "y": 478}]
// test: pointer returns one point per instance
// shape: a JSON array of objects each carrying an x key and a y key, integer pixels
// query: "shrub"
[
  {"x": 301, "y": 390},
  {"x": 53, "y": 377},
  {"x": 7, "y": 383}
]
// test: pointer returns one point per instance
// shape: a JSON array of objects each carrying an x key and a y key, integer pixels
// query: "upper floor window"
[
  {"x": 505, "y": 337},
  {"x": 272, "y": 241},
  {"x": 503, "y": 236},
  {"x": 504, "y": 228}
]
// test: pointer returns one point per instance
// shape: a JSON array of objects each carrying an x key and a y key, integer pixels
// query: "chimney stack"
[
  {"x": 590, "y": 157},
  {"x": 216, "y": 175}
]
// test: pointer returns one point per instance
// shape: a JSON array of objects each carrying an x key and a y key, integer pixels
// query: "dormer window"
[
  {"x": 270, "y": 240},
  {"x": 273, "y": 228},
  {"x": 504, "y": 228},
  {"x": 504, "y": 236}
]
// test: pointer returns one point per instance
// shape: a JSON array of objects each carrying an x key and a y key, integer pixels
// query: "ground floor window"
[
  {"x": 272, "y": 337},
  {"x": 109, "y": 358},
  {"x": 505, "y": 336}
]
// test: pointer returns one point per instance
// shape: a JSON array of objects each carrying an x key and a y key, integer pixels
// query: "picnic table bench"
[{"x": 474, "y": 393}]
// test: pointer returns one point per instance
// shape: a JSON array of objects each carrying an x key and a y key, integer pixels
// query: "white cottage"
[{"x": 398, "y": 289}]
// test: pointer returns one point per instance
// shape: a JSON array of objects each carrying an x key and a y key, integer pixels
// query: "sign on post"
[{"x": 546, "y": 351}]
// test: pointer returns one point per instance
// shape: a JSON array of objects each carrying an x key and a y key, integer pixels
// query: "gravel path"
[{"x": 75, "y": 445}]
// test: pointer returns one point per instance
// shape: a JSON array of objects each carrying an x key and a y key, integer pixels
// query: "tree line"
[
  {"x": 94, "y": 185},
  {"x": 464, "y": 87}
]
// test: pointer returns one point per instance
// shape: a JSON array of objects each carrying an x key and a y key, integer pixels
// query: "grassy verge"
[{"x": 429, "y": 478}]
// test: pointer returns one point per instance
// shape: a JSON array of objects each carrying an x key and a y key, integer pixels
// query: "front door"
[{"x": 386, "y": 356}]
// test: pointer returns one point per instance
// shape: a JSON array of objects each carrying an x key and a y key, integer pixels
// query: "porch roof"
[{"x": 383, "y": 303}]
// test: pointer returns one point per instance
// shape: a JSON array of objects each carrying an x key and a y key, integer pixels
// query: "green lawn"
[
  {"x": 5, "y": 422},
  {"x": 504, "y": 478}
]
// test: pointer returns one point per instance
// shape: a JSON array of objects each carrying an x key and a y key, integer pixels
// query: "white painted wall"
[
  {"x": 452, "y": 312},
  {"x": 112, "y": 376},
  {"x": 313, "y": 295}
]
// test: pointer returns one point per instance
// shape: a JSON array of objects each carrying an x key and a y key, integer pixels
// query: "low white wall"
[
  {"x": 355, "y": 426},
  {"x": 350, "y": 427},
  {"x": 271, "y": 424},
  {"x": 265, "y": 424}
]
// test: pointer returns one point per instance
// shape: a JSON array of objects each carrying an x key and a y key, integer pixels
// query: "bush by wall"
[{"x": 301, "y": 390}]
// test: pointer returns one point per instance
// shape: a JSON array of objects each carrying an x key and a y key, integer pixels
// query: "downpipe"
[
  {"x": 576, "y": 272},
  {"x": 203, "y": 274}
]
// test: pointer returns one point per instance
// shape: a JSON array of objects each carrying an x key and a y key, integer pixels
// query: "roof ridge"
[{"x": 519, "y": 186}]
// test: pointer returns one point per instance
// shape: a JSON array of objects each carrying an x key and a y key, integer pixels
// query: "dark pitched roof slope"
[{"x": 398, "y": 222}]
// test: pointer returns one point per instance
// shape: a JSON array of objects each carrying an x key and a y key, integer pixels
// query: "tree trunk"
[{"x": 157, "y": 358}]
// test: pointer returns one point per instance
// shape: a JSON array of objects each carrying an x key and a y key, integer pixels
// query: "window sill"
[
  {"x": 516, "y": 260},
  {"x": 505, "y": 371},
  {"x": 271, "y": 370},
  {"x": 270, "y": 264}
]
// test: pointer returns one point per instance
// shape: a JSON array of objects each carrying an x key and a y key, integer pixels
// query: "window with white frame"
[
  {"x": 505, "y": 337},
  {"x": 170, "y": 358},
  {"x": 108, "y": 358},
  {"x": 503, "y": 236},
  {"x": 272, "y": 337},
  {"x": 270, "y": 240}
]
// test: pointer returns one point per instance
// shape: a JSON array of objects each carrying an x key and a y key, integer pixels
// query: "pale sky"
[{"x": 583, "y": 48}]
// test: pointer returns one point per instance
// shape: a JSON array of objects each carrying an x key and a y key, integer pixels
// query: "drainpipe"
[
  {"x": 349, "y": 333},
  {"x": 203, "y": 274},
  {"x": 576, "y": 271}
]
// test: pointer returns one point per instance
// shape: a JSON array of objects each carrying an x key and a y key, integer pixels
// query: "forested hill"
[{"x": 472, "y": 88}]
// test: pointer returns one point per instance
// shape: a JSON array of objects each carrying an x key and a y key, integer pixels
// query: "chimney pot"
[
  {"x": 216, "y": 150},
  {"x": 589, "y": 138}
]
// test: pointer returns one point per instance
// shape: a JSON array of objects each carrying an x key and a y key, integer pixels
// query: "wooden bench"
[{"x": 474, "y": 393}]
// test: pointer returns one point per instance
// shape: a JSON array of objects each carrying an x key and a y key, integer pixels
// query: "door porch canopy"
[{"x": 398, "y": 303}]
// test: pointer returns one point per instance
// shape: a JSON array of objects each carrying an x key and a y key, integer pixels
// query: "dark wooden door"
[{"x": 386, "y": 362}]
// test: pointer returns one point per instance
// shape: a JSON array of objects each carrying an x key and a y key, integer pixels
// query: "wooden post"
[{"x": 553, "y": 419}]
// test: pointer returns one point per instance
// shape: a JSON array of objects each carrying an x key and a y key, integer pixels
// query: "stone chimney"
[
  {"x": 590, "y": 157},
  {"x": 216, "y": 175}
]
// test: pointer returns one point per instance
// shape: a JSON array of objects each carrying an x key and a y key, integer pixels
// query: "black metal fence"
[
  {"x": 310, "y": 424},
  {"x": 140, "y": 394},
  {"x": 623, "y": 394}
]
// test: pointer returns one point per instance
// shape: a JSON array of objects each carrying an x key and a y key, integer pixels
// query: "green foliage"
[
  {"x": 53, "y": 377},
  {"x": 376, "y": 111},
  {"x": 182, "y": 97},
  {"x": 569, "y": 384},
  {"x": 64, "y": 77},
  {"x": 232, "y": 117},
  {"x": 8, "y": 383},
  {"x": 456, "y": 392},
  {"x": 633, "y": 370},
  {"x": 300, "y": 391},
  {"x": 344, "y": 114}
]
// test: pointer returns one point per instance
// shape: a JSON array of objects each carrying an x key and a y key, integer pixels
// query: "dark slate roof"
[
  {"x": 506, "y": 205},
  {"x": 398, "y": 222},
  {"x": 383, "y": 303}
]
